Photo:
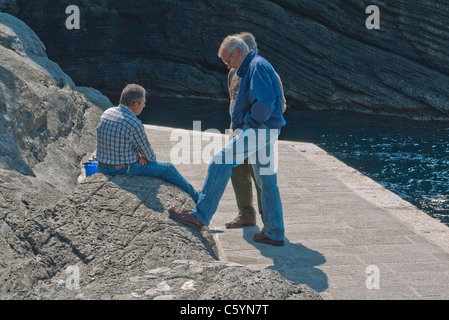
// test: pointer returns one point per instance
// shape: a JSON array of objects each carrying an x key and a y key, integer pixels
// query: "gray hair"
[
  {"x": 132, "y": 93},
  {"x": 230, "y": 43},
  {"x": 249, "y": 39}
]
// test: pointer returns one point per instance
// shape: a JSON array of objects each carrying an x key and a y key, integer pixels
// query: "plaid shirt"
[{"x": 121, "y": 136}]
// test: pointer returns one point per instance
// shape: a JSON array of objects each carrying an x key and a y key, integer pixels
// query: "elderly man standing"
[
  {"x": 242, "y": 176},
  {"x": 123, "y": 147},
  {"x": 257, "y": 114}
]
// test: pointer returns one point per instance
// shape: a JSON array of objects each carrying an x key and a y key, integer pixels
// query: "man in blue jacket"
[{"x": 257, "y": 118}]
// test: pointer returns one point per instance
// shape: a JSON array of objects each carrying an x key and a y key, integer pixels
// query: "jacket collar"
[{"x": 241, "y": 72}]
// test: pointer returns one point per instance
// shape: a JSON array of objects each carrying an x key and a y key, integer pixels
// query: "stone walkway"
[{"x": 347, "y": 237}]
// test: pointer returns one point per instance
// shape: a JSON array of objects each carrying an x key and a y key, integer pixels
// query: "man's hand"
[{"x": 142, "y": 160}]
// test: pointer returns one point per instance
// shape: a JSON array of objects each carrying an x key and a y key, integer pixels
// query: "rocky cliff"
[
  {"x": 322, "y": 49},
  {"x": 46, "y": 122},
  {"x": 103, "y": 238}
]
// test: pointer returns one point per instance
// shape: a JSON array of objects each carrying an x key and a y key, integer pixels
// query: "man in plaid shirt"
[{"x": 123, "y": 146}]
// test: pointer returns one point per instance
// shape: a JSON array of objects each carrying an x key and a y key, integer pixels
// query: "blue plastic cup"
[{"x": 91, "y": 168}]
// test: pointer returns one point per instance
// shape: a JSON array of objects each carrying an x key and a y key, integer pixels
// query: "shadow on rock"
[
  {"x": 155, "y": 193},
  {"x": 151, "y": 195},
  {"x": 147, "y": 190},
  {"x": 294, "y": 261}
]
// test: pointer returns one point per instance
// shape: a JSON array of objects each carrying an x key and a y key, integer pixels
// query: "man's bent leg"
[
  {"x": 220, "y": 170},
  {"x": 166, "y": 171},
  {"x": 112, "y": 171},
  {"x": 215, "y": 184}
]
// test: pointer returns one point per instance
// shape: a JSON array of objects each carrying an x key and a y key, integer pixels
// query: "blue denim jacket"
[{"x": 259, "y": 100}]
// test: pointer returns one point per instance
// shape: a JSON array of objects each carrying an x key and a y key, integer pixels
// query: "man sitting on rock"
[{"x": 123, "y": 147}]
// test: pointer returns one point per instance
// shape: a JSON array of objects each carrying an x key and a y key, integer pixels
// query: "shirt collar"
[
  {"x": 125, "y": 108},
  {"x": 241, "y": 72}
]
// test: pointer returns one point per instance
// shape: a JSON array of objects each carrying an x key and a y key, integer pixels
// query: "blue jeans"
[
  {"x": 164, "y": 170},
  {"x": 254, "y": 144}
]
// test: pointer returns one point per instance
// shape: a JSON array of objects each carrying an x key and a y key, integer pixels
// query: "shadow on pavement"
[{"x": 294, "y": 261}]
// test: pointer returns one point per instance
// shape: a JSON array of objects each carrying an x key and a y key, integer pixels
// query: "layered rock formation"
[
  {"x": 46, "y": 122},
  {"x": 322, "y": 49},
  {"x": 103, "y": 238},
  {"x": 47, "y": 127}
]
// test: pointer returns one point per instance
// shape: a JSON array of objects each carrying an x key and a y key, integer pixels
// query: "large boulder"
[
  {"x": 113, "y": 239},
  {"x": 324, "y": 53}
]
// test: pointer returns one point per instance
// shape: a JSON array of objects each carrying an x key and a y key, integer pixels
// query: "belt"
[{"x": 117, "y": 167}]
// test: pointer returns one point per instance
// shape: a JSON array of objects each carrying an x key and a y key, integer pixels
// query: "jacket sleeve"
[{"x": 262, "y": 97}]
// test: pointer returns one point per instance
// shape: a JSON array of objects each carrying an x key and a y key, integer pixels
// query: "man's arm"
[
  {"x": 284, "y": 101},
  {"x": 141, "y": 159},
  {"x": 233, "y": 88},
  {"x": 262, "y": 98},
  {"x": 141, "y": 146}
]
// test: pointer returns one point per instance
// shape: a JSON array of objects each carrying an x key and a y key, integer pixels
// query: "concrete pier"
[{"x": 347, "y": 237}]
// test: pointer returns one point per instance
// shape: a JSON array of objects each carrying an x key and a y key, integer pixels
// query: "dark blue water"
[{"x": 410, "y": 158}]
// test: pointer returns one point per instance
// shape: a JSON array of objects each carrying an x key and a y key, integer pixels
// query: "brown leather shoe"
[
  {"x": 185, "y": 217},
  {"x": 238, "y": 223},
  {"x": 261, "y": 237}
]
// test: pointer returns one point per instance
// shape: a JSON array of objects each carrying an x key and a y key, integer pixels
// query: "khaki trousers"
[{"x": 242, "y": 181}]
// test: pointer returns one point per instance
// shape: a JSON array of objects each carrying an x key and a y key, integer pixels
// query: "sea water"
[{"x": 408, "y": 157}]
